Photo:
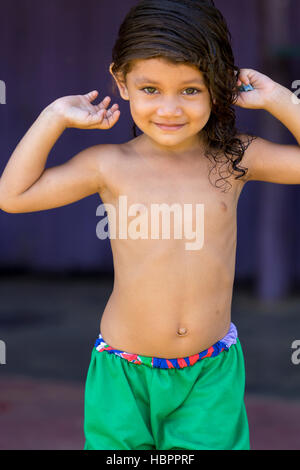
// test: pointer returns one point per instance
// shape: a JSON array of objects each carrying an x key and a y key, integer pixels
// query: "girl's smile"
[{"x": 169, "y": 127}]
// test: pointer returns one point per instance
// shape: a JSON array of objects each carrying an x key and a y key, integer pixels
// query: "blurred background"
[{"x": 56, "y": 276}]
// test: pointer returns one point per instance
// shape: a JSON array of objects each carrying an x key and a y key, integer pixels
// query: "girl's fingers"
[
  {"x": 92, "y": 95},
  {"x": 114, "y": 108},
  {"x": 104, "y": 118},
  {"x": 104, "y": 103},
  {"x": 97, "y": 117},
  {"x": 111, "y": 112},
  {"x": 111, "y": 117},
  {"x": 244, "y": 76},
  {"x": 114, "y": 117},
  {"x": 105, "y": 122}
]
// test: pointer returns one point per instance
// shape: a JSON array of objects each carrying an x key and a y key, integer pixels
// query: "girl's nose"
[{"x": 169, "y": 107}]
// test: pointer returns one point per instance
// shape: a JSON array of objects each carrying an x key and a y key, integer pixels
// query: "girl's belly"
[
  {"x": 171, "y": 303},
  {"x": 166, "y": 330}
]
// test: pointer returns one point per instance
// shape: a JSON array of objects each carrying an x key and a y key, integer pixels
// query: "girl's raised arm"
[{"x": 25, "y": 185}]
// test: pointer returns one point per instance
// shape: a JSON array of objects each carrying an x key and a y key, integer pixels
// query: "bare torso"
[{"x": 168, "y": 301}]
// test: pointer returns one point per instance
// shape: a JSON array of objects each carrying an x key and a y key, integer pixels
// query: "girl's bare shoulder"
[
  {"x": 114, "y": 151},
  {"x": 110, "y": 160},
  {"x": 109, "y": 155}
]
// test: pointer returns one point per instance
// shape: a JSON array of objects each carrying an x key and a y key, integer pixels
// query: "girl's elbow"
[{"x": 9, "y": 207}]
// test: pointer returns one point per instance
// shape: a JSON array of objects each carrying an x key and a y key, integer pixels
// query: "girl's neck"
[{"x": 149, "y": 146}]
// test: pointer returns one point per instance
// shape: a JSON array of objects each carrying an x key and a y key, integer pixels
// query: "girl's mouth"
[{"x": 169, "y": 127}]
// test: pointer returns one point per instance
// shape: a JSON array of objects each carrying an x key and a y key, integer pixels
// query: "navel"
[{"x": 182, "y": 331}]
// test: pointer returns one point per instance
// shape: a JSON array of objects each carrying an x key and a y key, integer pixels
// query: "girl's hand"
[
  {"x": 77, "y": 111},
  {"x": 264, "y": 88}
]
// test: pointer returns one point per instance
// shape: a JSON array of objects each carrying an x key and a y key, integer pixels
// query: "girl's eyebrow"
[{"x": 147, "y": 80}]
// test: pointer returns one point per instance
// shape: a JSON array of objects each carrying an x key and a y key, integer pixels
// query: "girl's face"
[{"x": 162, "y": 94}]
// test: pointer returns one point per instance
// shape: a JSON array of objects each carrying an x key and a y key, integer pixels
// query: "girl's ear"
[
  {"x": 213, "y": 100},
  {"x": 121, "y": 84}
]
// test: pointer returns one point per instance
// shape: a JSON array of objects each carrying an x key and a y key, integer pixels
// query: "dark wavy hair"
[{"x": 190, "y": 32}]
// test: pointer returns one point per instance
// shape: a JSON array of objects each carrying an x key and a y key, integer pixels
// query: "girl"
[{"x": 167, "y": 371}]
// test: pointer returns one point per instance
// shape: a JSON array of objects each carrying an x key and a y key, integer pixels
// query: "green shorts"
[{"x": 135, "y": 402}]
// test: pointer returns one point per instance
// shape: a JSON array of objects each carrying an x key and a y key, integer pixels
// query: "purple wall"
[{"x": 52, "y": 49}]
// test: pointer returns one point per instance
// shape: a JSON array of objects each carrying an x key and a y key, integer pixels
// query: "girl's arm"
[
  {"x": 25, "y": 185},
  {"x": 268, "y": 161}
]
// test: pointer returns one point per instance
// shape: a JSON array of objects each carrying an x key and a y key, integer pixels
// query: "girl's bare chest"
[{"x": 144, "y": 191}]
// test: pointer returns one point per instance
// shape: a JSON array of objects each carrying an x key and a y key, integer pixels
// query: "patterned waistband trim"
[{"x": 177, "y": 363}]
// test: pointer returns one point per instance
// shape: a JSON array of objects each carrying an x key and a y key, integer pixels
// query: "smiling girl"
[{"x": 167, "y": 371}]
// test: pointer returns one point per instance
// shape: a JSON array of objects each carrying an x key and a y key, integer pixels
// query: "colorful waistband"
[{"x": 222, "y": 345}]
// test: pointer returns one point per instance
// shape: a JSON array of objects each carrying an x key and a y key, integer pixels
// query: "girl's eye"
[
  {"x": 193, "y": 89},
  {"x": 149, "y": 88},
  {"x": 151, "y": 91}
]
